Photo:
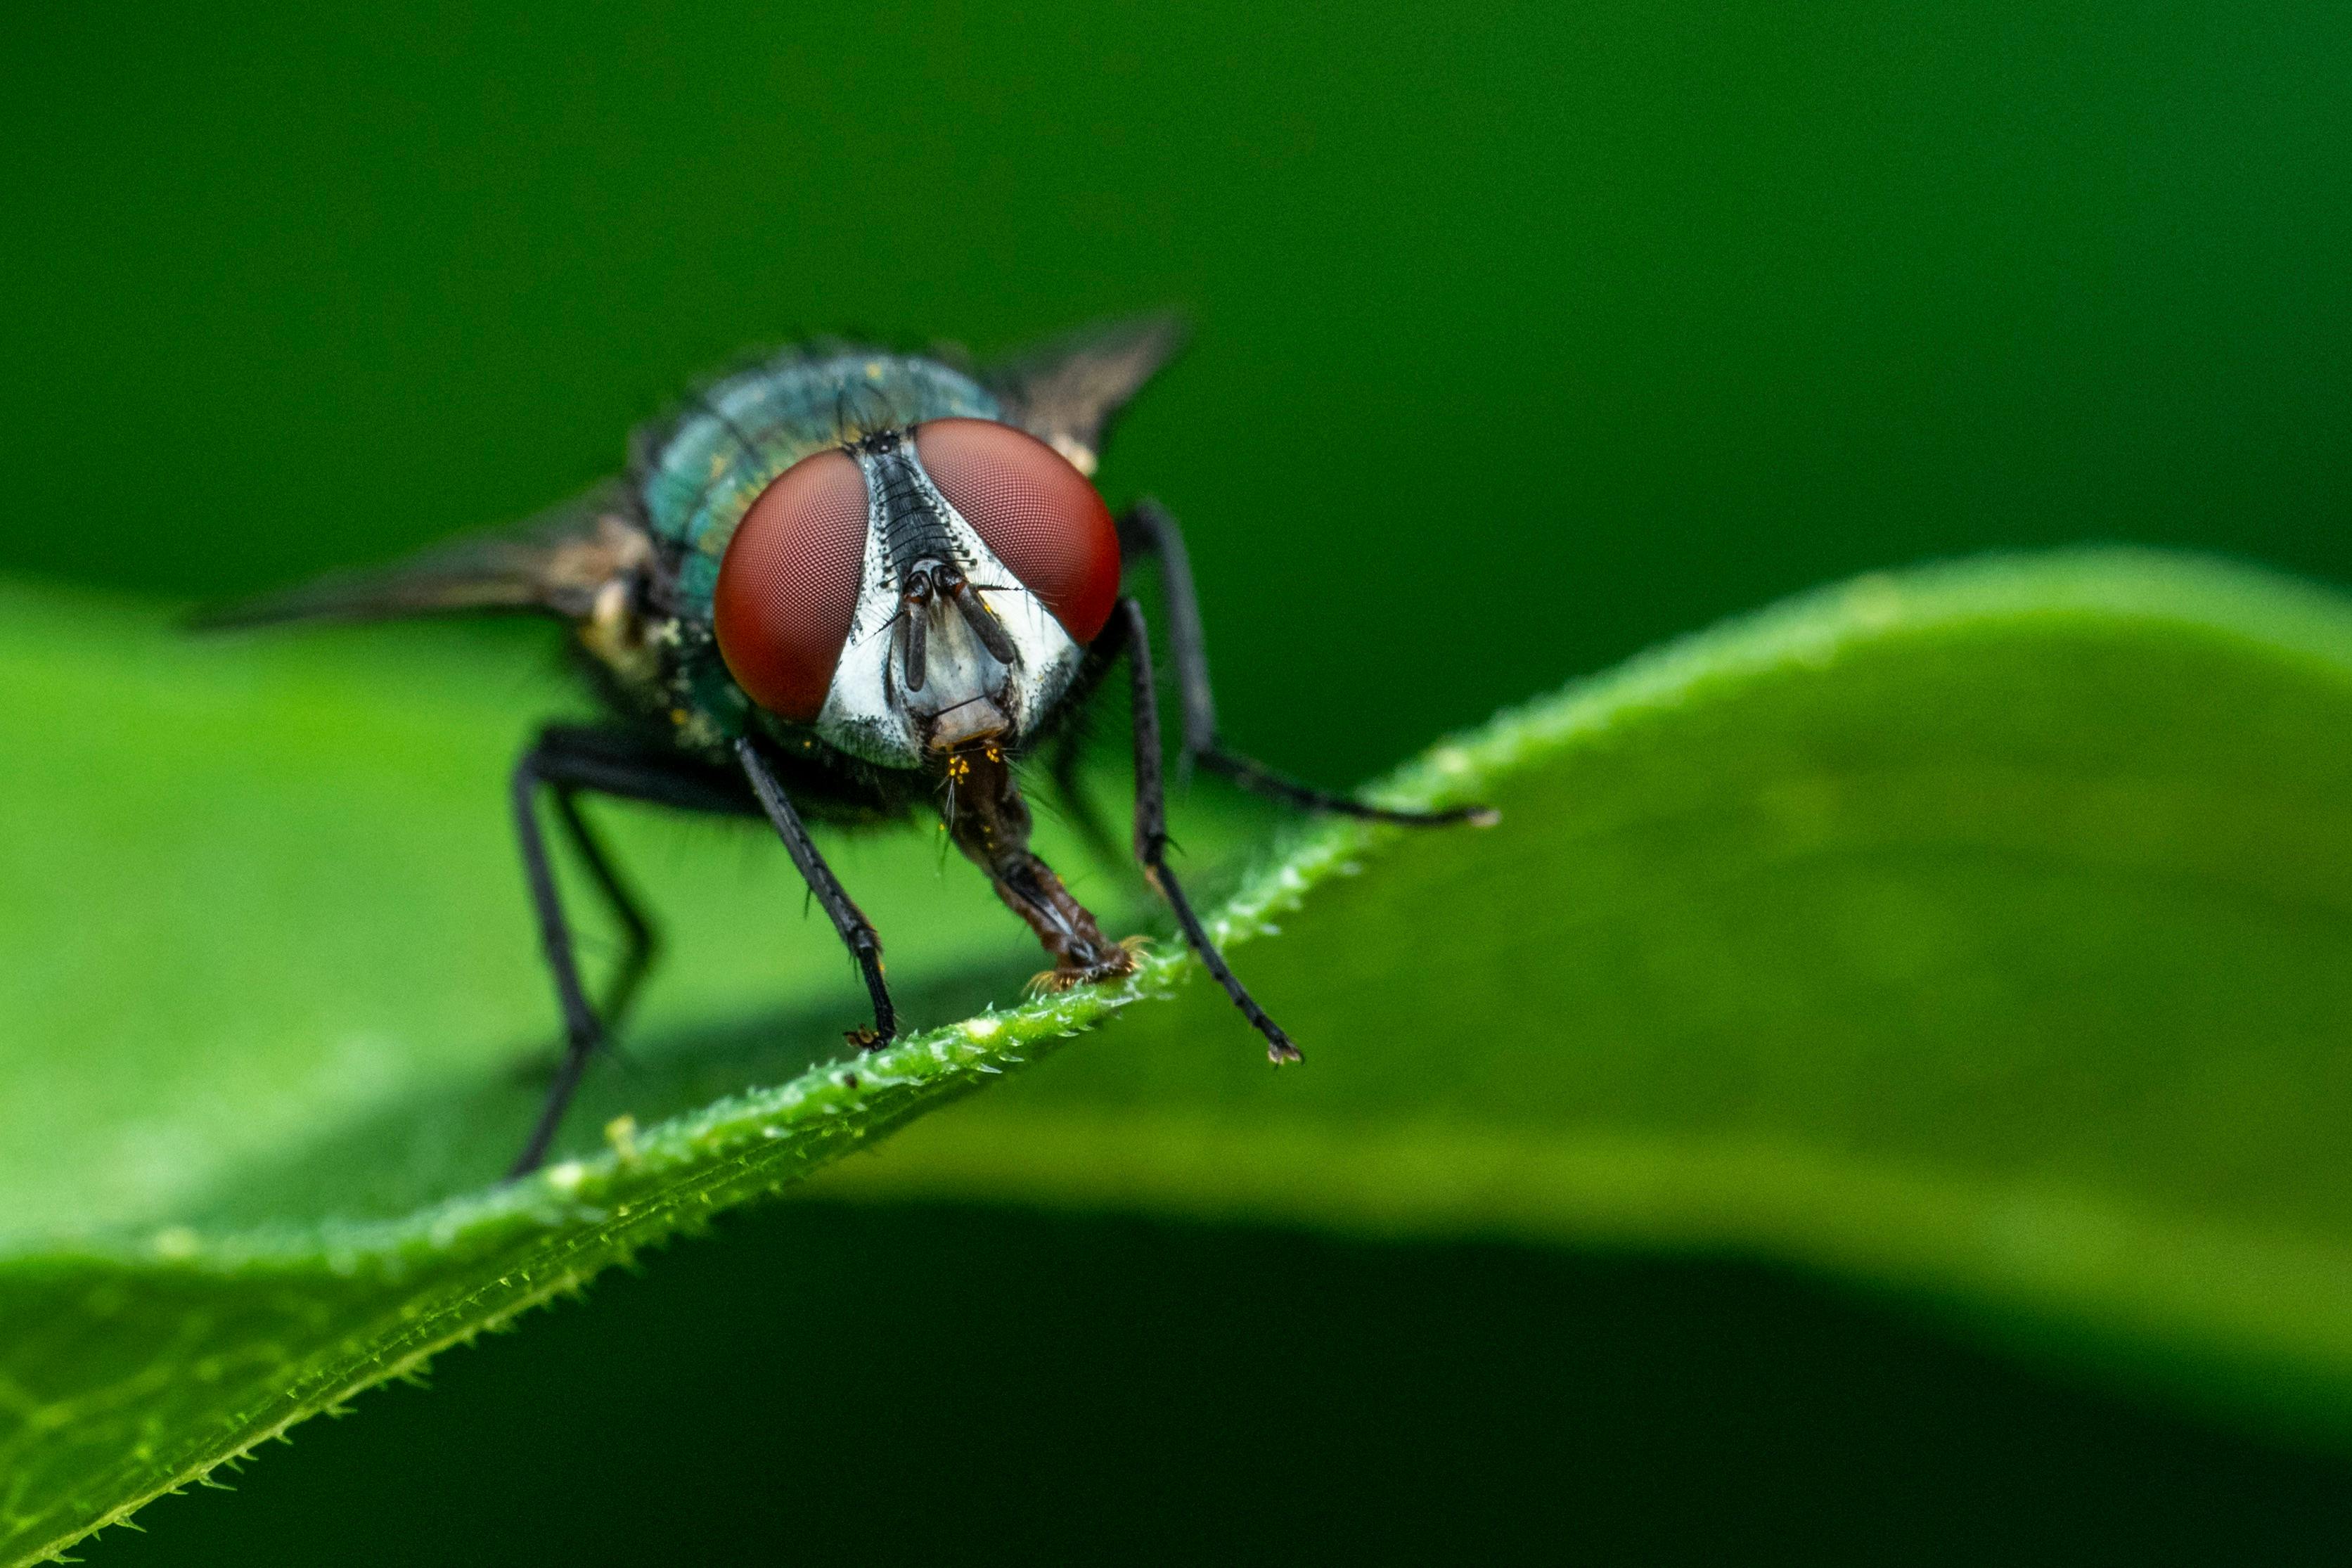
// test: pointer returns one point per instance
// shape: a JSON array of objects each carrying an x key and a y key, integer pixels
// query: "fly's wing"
[
  {"x": 1066, "y": 392},
  {"x": 556, "y": 562}
]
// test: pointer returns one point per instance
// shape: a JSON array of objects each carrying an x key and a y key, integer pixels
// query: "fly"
[{"x": 842, "y": 585}]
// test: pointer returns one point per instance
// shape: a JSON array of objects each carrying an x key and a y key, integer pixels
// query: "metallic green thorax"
[{"x": 706, "y": 469}]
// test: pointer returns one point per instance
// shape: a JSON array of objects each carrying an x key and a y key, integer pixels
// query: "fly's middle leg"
[{"x": 1148, "y": 530}]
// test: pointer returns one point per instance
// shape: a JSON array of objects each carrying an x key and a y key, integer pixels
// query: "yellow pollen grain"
[{"x": 621, "y": 1134}]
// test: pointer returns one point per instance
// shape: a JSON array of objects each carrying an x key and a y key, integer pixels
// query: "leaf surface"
[{"x": 1983, "y": 933}]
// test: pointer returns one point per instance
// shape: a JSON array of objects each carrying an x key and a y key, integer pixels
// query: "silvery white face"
[{"x": 918, "y": 677}]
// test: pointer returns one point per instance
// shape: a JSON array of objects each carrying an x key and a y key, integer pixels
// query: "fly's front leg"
[
  {"x": 1128, "y": 633},
  {"x": 990, "y": 823},
  {"x": 857, "y": 932},
  {"x": 1147, "y": 529}
]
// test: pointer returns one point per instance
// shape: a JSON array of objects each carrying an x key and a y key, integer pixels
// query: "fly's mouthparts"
[{"x": 967, "y": 724}]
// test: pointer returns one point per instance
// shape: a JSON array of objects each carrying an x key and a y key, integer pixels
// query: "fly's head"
[{"x": 919, "y": 592}]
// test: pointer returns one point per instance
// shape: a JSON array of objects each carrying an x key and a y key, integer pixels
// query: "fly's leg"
[
  {"x": 1147, "y": 529},
  {"x": 570, "y": 762},
  {"x": 582, "y": 1030},
  {"x": 856, "y": 933},
  {"x": 640, "y": 942},
  {"x": 1129, "y": 635},
  {"x": 990, "y": 823}
]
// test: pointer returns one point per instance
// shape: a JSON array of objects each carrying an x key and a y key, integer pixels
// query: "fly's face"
[{"x": 918, "y": 591}]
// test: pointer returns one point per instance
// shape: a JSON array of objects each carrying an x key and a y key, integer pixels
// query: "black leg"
[
  {"x": 1147, "y": 529},
  {"x": 1255, "y": 775},
  {"x": 855, "y": 932},
  {"x": 568, "y": 761},
  {"x": 1151, "y": 827},
  {"x": 640, "y": 942},
  {"x": 581, "y": 1028}
]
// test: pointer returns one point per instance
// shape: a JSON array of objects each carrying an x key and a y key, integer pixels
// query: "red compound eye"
[
  {"x": 1038, "y": 512},
  {"x": 788, "y": 586}
]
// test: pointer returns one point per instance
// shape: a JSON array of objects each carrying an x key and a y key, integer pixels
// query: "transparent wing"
[
  {"x": 1066, "y": 392},
  {"x": 555, "y": 563}
]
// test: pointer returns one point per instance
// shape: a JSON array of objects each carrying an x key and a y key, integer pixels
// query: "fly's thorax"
[{"x": 947, "y": 648}]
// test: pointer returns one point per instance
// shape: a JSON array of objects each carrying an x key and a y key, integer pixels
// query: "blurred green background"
[{"x": 1527, "y": 336}]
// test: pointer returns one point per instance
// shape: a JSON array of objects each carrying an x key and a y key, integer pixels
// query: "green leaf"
[{"x": 1984, "y": 934}]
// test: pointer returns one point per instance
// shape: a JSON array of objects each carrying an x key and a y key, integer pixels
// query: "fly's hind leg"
[
  {"x": 640, "y": 939},
  {"x": 1147, "y": 529},
  {"x": 569, "y": 761}
]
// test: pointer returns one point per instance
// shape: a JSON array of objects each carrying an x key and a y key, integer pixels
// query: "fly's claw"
[
  {"x": 1052, "y": 982},
  {"x": 866, "y": 1037},
  {"x": 1118, "y": 965}
]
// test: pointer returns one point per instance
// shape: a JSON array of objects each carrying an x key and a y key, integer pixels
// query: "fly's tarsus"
[{"x": 1254, "y": 776}]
